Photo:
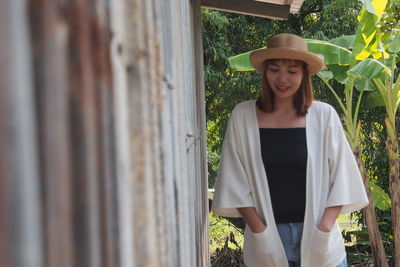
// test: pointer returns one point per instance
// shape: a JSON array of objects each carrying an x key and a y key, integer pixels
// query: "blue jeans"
[{"x": 290, "y": 234}]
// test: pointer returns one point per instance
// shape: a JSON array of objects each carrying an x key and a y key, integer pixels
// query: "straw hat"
[{"x": 289, "y": 46}]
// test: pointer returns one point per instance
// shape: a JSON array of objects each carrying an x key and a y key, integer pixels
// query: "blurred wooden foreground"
[{"x": 102, "y": 146}]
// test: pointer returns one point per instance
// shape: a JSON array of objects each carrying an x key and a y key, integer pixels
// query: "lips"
[{"x": 282, "y": 88}]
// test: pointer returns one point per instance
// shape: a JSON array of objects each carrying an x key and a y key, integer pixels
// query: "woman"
[{"x": 286, "y": 166}]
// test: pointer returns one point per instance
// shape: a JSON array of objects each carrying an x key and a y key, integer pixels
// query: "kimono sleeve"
[
  {"x": 232, "y": 188},
  {"x": 346, "y": 185}
]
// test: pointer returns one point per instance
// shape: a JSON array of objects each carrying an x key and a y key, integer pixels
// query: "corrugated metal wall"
[{"x": 102, "y": 134}]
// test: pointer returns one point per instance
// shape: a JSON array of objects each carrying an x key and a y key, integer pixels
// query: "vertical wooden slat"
[
  {"x": 184, "y": 109},
  {"x": 50, "y": 42},
  {"x": 155, "y": 70},
  {"x": 100, "y": 49},
  {"x": 135, "y": 59},
  {"x": 20, "y": 242},
  {"x": 170, "y": 134},
  {"x": 73, "y": 82},
  {"x": 84, "y": 138},
  {"x": 121, "y": 58},
  {"x": 202, "y": 236},
  {"x": 142, "y": 128}
]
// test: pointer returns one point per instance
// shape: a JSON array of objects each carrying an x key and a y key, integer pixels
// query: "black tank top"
[{"x": 284, "y": 153}]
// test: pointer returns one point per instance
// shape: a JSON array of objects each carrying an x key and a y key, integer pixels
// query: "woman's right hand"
[
  {"x": 258, "y": 229},
  {"x": 252, "y": 219}
]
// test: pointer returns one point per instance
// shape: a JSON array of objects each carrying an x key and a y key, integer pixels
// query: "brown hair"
[{"x": 302, "y": 99}]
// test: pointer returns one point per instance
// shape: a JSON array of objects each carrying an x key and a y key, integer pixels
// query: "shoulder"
[
  {"x": 243, "y": 109},
  {"x": 244, "y": 106},
  {"x": 323, "y": 110},
  {"x": 325, "y": 114},
  {"x": 320, "y": 106}
]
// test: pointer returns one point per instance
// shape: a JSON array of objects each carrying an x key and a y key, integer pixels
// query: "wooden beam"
[
  {"x": 276, "y": 2},
  {"x": 249, "y": 7}
]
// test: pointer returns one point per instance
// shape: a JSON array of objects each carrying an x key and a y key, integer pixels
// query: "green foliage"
[
  {"x": 220, "y": 228},
  {"x": 359, "y": 248},
  {"x": 368, "y": 37},
  {"x": 345, "y": 41},
  {"x": 226, "y": 87},
  {"x": 333, "y": 54},
  {"x": 380, "y": 197},
  {"x": 368, "y": 68}
]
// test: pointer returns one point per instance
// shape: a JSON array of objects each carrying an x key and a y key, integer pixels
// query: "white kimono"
[{"x": 332, "y": 179}]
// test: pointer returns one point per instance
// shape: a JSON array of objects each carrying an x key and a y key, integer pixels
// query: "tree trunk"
[
  {"x": 378, "y": 250},
  {"x": 394, "y": 183}
]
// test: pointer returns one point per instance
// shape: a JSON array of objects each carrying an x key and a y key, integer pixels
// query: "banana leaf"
[
  {"x": 368, "y": 38},
  {"x": 394, "y": 46},
  {"x": 380, "y": 197},
  {"x": 333, "y": 54},
  {"x": 365, "y": 85},
  {"x": 368, "y": 68},
  {"x": 373, "y": 100},
  {"x": 346, "y": 41},
  {"x": 325, "y": 75},
  {"x": 339, "y": 72}
]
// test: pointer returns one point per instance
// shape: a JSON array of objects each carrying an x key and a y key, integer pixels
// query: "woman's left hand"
[
  {"x": 324, "y": 228},
  {"x": 329, "y": 218}
]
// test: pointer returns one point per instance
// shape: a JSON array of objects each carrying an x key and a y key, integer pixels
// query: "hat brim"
[{"x": 314, "y": 62}]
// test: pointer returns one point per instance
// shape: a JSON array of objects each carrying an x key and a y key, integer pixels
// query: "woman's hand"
[
  {"x": 259, "y": 229},
  {"x": 329, "y": 218},
  {"x": 252, "y": 219}
]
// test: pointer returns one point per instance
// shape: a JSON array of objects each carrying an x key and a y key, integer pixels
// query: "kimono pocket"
[
  {"x": 324, "y": 247},
  {"x": 258, "y": 248}
]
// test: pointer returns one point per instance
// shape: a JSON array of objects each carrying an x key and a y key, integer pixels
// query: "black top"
[{"x": 284, "y": 153}]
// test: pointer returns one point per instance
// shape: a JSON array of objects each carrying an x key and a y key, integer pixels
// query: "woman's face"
[{"x": 284, "y": 77}]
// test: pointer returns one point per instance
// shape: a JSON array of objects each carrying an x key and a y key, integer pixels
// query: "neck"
[{"x": 284, "y": 105}]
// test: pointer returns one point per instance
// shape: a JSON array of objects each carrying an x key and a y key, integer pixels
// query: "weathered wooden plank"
[
  {"x": 249, "y": 7},
  {"x": 202, "y": 234},
  {"x": 121, "y": 67},
  {"x": 84, "y": 136},
  {"x": 157, "y": 107},
  {"x": 137, "y": 53},
  {"x": 106, "y": 156},
  {"x": 50, "y": 42},
  {"x": 276, "y": 2},
  {"x": 157, "y": 67},
  {"x": 20, "y": 224},
  {"x": 170, "y": 133},
  {"x": 186, "y": 113}
]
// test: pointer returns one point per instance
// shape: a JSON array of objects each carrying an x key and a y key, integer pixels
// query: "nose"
[{"x": 282, "y": 77}]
